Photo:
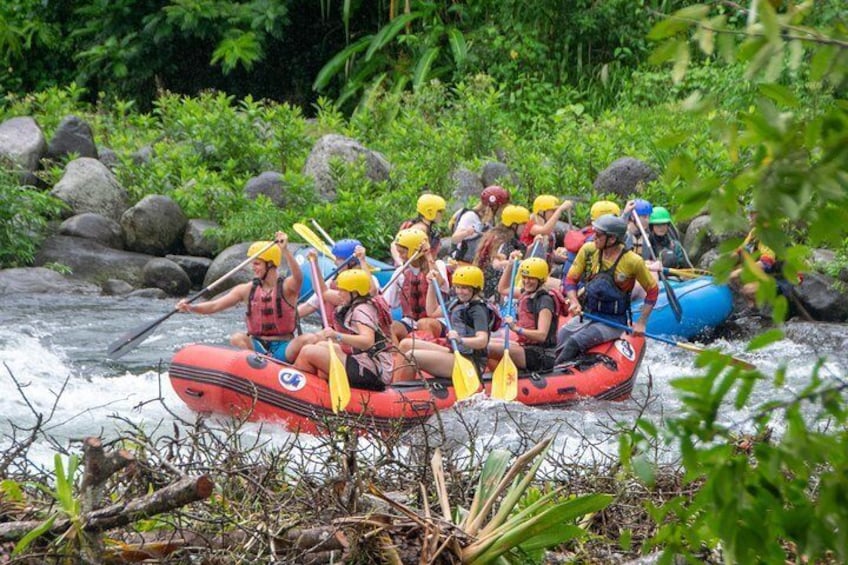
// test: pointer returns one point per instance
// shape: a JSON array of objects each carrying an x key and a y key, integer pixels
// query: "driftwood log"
[
  {"x": 99, "y": 466},
  {"x": 175, "y": 495}
]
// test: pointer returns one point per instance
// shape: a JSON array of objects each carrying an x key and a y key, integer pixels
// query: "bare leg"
[
  {"x": 298, "y": 343},
  {"x": 516, "y": 352},
  {"x": 241, "y": 340},
  {"x": 315, "y": 359},
  {"x": 438, "y": 363}
]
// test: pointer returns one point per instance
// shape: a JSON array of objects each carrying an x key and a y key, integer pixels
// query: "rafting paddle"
[
  {"x": 505, "y": 377},
  {"x": 464, "y": 376},
  {"x": 323, "y": 233},
  {"x": 131, "y": 339},
  {"x": 681, "y": 344},
  {"x": 328, "y": 276},
  {"x": 339, "y": 385},
  {"x": 676, "y": 308},
  {"x": 399, "y": 271},
  {"x": 312, "y": 239}
]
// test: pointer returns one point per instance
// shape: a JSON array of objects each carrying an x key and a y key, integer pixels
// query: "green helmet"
[{"x": 660, "y": 215}]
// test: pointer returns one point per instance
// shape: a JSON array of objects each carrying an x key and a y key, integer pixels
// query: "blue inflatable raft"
[{"x": 705, "y": 305}]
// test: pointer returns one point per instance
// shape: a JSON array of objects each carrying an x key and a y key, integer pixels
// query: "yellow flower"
[{"x": 513, "y": 54}]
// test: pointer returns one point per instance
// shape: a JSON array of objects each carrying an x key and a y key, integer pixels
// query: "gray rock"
[
  {"x": 623, "y": 176},
  {"x": 707, "y": 260},
  {"x": 73, "y": 136},
  {"x": 155, "y": 225},
  {"x": 156, "y": 293},
  {"x": 108, "y": 158},
  {"x": 467, "y": 187},
  {"x": 115, "y": 287},
  {"x": 824, "y": 297},
  {"x": 94, "y": 226},
  {"x": 699, "y": 237},
  {"x": 167, "y": 275},
  {"x": 92, "y": 261},
  {"x": 22, "y": 142},
  {"x": 827, "y": 338},
  {"x": 498, "y": 173},
  {"x": 88, "y": 186},
  {"x": 194, "y": 267},
  {"x": 225, "y": 262},
  {"x": 269, "y": 184},
  {"x": 333, "y": 146},
  {"x": 196, "y": 239},
  {"x": 144, "y": 155},
  {"x": 39, "y": 280}
]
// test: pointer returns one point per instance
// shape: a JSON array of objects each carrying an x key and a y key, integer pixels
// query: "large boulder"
[
  {"x": 108, "y": 158},
  {"x": 165, "y": 274},
  {"x": 270, "y": 184},
  {"x": 823, "y": 298},
  {"x": 94, "y": 226},
  {"x": 699, "y": 237},
  {"x": 22, "y": 143},
  {"x": 197, "y": 240},
  {"x": 92, "y": 261},
  {"x": 495, "y": 172},
  {"x": 73, "y": 136},
  {"x": 194, "y": 267},
  {"x": 88, "y": 186},
  {"x": 39, "y": 280},
  {"x": 467, "y": 187},
  {"x": 623, "y": 177},
  {"x": 226, "y": 261},
  {"x": 154, "y": 226},
  {"x": 333, "y": 146}
]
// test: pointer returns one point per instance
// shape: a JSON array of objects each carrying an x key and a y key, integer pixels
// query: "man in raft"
[
  {"x": 611, "y": 272},
  {"x": 271, "y": 301}
]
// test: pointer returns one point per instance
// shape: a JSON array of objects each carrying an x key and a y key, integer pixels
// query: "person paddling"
[
  {"x": 667, "y": 249},
  {"x": 271, "y": 316},
  {"x": 612, "y": 271},
  {"x": 547, "y": 210},
  {"x": 536, "y": 324},
  {"x": 634, "y": 240},
  {"x": 360, "y": 336}
]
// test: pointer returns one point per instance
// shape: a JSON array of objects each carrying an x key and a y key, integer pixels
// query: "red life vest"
[
  {"x": 528, "y": 314},
  {"x": 527, "y": 238},
  {"x": 269, "y": 315},
  {"x": 413, "y": 294},
  {"x": 574, "y": 239}
]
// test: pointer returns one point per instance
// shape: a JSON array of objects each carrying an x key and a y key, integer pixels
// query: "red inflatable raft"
[{"x": 223, "y": 380}]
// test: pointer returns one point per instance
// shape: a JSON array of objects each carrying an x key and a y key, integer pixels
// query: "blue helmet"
[
  {"x": 643, "y": 207},
  {"x": 343, "y": 249}
]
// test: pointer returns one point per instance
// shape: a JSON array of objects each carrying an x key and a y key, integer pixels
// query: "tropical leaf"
[
  {"x": 459, "y": 48},
  {"x": 388, "y": 32},
  {"x": 337, "y": 63},
  {"x": 422, "y": 69}
]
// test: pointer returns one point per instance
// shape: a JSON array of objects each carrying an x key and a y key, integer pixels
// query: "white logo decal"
[
  {"x": 291, "y": 379},
  {"x": 625, "y": 349}
]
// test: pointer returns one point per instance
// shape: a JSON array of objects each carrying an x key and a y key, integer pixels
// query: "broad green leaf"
[
  {"x": 706, "y": 40},
  {"x": 693, "y": 12},
  {"x": 458, "y": 46},
  {"x": 779, "y": 94},
  {"x": 768, "y": 17},
  {"x": 744, "y": 392},
  {"x": 681, "y": 62},
  {"x": 665, "y": 52},
  {"x": 337, "y": 63},
  {"x": 559, "y": 534},
  {"x": 422, "y": 69},
  {"x": 33, "y": 535},
  {"x": 668, "y": 27},
  {"x": 388, "y": 32},
  {"x": 821, "y": 62}
]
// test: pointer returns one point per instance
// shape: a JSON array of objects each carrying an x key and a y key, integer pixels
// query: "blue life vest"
[{"x": 605, "y": 297}]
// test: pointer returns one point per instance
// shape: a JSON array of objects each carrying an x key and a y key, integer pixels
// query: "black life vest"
[{"x": 603, "y": 296}]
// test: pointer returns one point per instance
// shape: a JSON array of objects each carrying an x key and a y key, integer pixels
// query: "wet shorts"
[
  {"x": 276, "y": 349},
  {"x": 537, "y": 358},
  {"x": 362, "y": 378}
]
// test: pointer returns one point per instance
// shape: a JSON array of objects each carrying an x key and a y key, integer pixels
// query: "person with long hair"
[
  {"x": 496, "y": 246},
  {"x": 469, "y": 224}
]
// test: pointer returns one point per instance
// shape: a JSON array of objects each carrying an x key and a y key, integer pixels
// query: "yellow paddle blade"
[
  {"x": 464, "y": 376},
  {"x": 310, "y": 237},
  {"x": 339, "y": 385},
  {"x": 505, "y": 379}
]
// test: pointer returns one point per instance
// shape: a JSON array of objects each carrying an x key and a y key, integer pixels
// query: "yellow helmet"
[
  {"x": 513, "y": 215},
  {"x": 535, "y": 268},
  {"x": 411, "y": 238},
  {"x": 468, "y": 276},
  {"x": 271, "y": 255},
  {"x": 355, "y": 280},
  {"x": 429, "y": 205},
  {"x": 602, "y": 208},
  {"x": 545, "y": 202}
]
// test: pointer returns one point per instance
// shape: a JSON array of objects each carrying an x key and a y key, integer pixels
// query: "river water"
[{"x": 47, "y": 340}]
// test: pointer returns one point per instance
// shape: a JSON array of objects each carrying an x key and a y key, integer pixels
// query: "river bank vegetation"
[{"x": 750, "y": 107}]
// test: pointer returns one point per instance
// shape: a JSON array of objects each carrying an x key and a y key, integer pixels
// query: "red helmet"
[{"x": 494, "y": 196}]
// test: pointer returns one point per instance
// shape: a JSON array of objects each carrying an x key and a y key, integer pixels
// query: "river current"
[{"x": 48, "y": 340}]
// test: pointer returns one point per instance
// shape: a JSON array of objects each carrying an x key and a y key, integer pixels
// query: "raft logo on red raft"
[
  {"x": 291, "y": 380},
  {"x": 625, "y": 349}
]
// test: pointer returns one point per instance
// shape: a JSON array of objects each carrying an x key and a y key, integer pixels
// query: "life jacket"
[
  {"x": 603, "y": 296},
  {"x": 574, "y": 239},
  {"x": 527, "y": 239},
  {"x": 666, "y": 250},
  {"x": 382, "y": 326},
  {"x": 462, "y": 322},
  {"x": 466, "y": 249},
  {"x": 528, "y": 313},
  {"x": 265, "y": 319},
  {"x": 413, "y": 294}
]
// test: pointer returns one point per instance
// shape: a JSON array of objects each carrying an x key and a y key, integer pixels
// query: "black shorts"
[
  {"x": 537, "y": 358},
  {"x": 359, "y": 378}
]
